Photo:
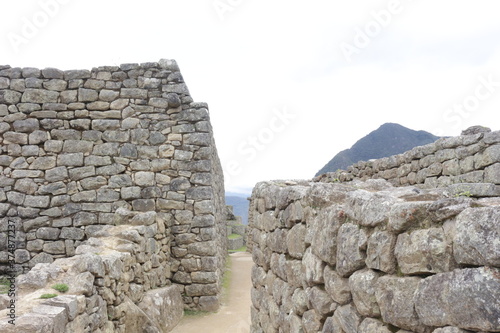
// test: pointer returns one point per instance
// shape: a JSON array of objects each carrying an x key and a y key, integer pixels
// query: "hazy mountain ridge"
[
  {"x": 240, "y": 205},
  {"x": 389, "y": 139}
]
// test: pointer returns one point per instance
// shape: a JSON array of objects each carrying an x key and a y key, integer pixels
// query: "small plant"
[
  {"x": 4, "y": 286},
  {"x": 463, "y": 194},
  {"x": 233, "y": 236},
  {"x": 45, "y": 296},
  {"x": 61, "y": 287}
]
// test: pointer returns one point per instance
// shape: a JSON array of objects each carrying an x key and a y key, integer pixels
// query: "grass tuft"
[
  {"x": 61, "y": 287},
  {"x": 45, "y": 296}
]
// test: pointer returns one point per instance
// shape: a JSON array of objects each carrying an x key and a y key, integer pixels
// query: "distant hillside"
[
  {"x": 240, "y": 205},
  {"x": 389, "y": 139}
]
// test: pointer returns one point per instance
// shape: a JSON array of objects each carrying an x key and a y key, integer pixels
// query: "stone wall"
[
  {"x": 81, "y": 150},
  {"x": 119, "y": 281},
  {"x": 470, "y": 158},
  {"x": 236, "y": 230},
  {"x": 367, "y": 257}
]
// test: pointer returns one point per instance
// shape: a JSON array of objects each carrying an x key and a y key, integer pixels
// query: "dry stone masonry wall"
[
  {"x": 83, "y": 151},
  {"x": 472, "y": 158},
  {"x": 367, "y": 257}
]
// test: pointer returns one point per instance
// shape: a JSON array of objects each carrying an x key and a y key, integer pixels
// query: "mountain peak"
[{"x": 389, "y": 139}]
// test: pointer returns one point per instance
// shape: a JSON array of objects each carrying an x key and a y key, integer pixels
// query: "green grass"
[
  {"x": 193, "y": 313},
  {"x": 4, "y": 286},
  {"x": 61, "y": 287},
  {"x": 234, "y": 236},
  {"x": 241, "y": 249},
  {"x": 45, "y": 296}
]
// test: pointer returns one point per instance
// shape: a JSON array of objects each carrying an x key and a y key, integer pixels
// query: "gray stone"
[
  {"x": 47, "y": 233},
  {"x": 313, "y": 267},
  {"x": 39, "y": 96},
  {"x": 452, "y": 299},
  {"x": 311, "y": 321},
  {"x": 424, "y": 251},
  {"x": 489, "y": 156},
  {"x": 370, "y": 325},
  {"x": 380, "y": 251},
  {"x": 72, "y": 233},
  {"x": 56, "y": 247},
  {"x": 350, "y": 256},
  {"x": 56, "y": 174},
  {"x": 476, "y": 238},
  {"x": 475, "y": 189},
  {"x": 43, "y": 163},
  {"x": 492, "y": 174},
  {"x": 324, "y": 229},
  {"x": 370, "y": 209},
  {"x": 363, "y": 286},
  {"x": 13, "y": 137},
  {"x": 348, "y": 318},
  {"x": 9, "y": 97},
  {"x": 319, "y": 300},
  {"x": 395, "y": 299},
  {"x": 84, "y": 219},
  {"x": 406, "y": 215},
  {"x": 26, "y": 126},
  {"x": 295, "y": 241},
  {"x": 73, "y": 159}
]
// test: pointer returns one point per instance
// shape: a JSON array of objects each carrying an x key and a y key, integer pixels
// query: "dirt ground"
[{"x": 234, "y": 314}]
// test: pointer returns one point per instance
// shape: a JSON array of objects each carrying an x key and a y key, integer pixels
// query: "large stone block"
[
  {"x": 350, "y": 253},
  {"x": 424, "y": 251},
  {"x": 337, "y": 286},
  {"x": 476, "y": 240},
  {"x": 295, "y": 241},
  {"x": 370, "y": 209},
  {"x": 407, "y": 215},
  {"x": 324, "y": 228},
  {"x": 380, "y": 251},
  {"x": 465, "y": 298},
  {"x": 395, "y": 299},
  {"x": 164, "y": 307},
  {"x": 363, "y": 286}
]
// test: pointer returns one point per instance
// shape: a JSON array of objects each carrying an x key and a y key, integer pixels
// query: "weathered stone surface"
[
  {"x": 368, "y": 208},
  {"x": 39, "y": 96},
  {"x": 348, "y": 318},
  {"x": 324, "y": 229},
  {"x": 337, "y": 286},
  {"x": 295, "y": 241},
  {"x": 370, "y": 325},
  {"x": 424, "y": 251},
  {"x": 453, "y": 299},
  {"x": 476, "y": 237},
  {"x": 363, "y": 285},
  {"x": 311, "y": 321},
  {"x": 395, "y": 299},
  {"x": 406, "y": 215},
  {"x": 164, "y": 307},
  {"x": 313, "y": 267},
  {"x": 380, "y": 251},
  {"x": 350, "y": 256}
]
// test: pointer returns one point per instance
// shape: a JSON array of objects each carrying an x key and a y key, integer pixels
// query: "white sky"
[{"x": 253, "y": 59}]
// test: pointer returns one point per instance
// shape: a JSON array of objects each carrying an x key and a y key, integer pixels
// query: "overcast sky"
[{"x": 289, "y": 83}]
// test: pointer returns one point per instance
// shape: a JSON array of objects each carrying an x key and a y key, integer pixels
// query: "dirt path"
[{"x": 234, "y": 314}]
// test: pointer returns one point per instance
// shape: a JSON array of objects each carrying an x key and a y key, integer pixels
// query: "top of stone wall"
[{"x": 461, "y": 159}]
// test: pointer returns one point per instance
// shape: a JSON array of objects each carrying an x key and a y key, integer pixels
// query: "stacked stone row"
[
  {"x": 370, "y": 258},
  {"x": 463, "y": 159},
  {"x": 79, "y": 145},
  {"x": 112, "y": 279}
]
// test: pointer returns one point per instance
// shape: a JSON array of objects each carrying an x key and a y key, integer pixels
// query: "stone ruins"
[
  {"x": 112, "y": 180},
  {"x": 364, "y": 256},
  {"x": 110, "y": 184}
]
